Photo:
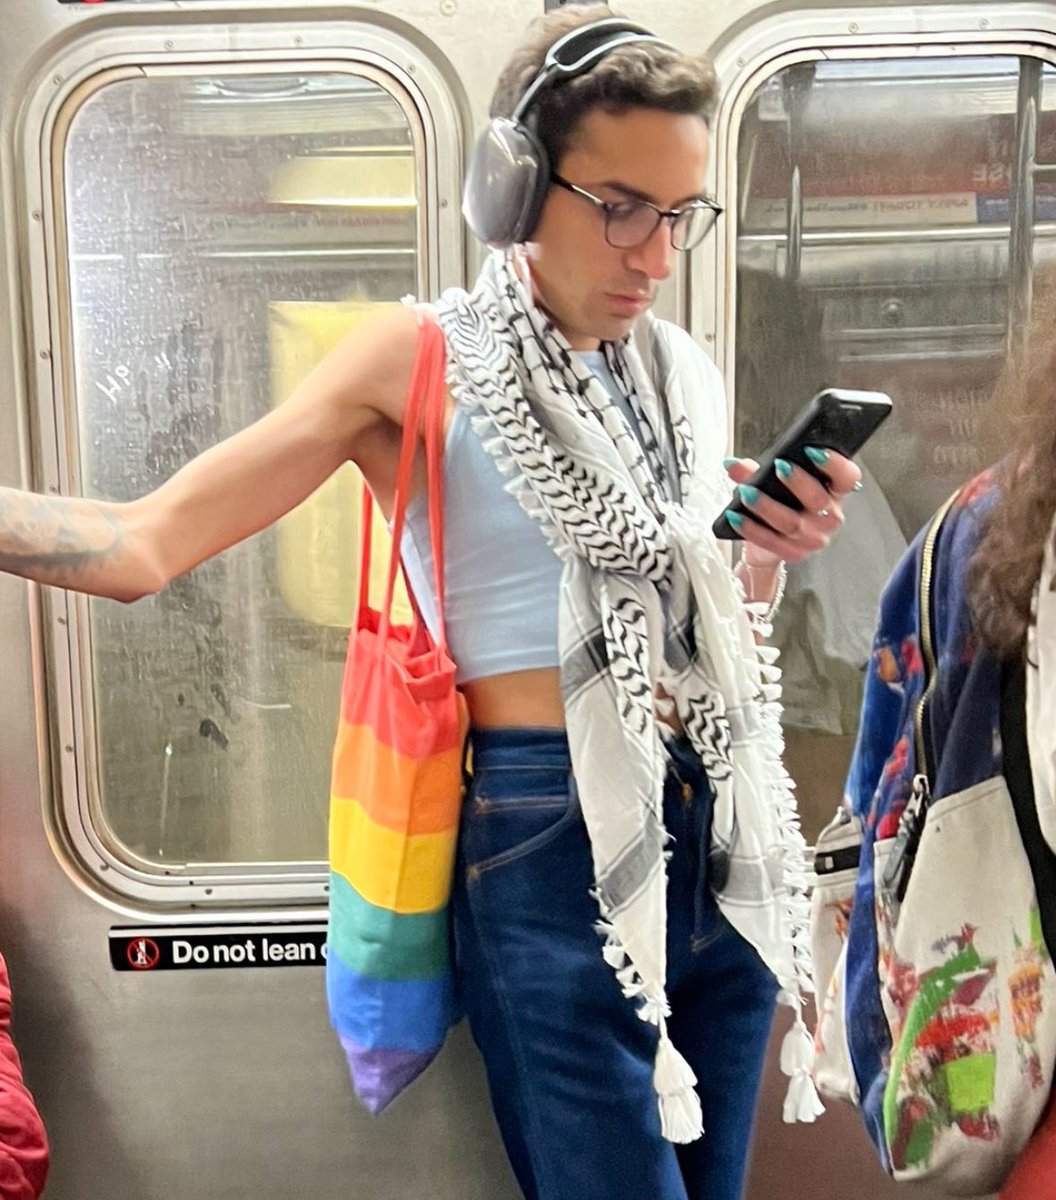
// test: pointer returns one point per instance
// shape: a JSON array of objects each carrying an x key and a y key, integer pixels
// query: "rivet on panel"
[
  {"x": 298, "y": 40},
  {"x": 45, "y": 354},
  {"x": 35, "y": 214},
  {"x": 854, "y": 27},
  {"x": 61, "y": 620},
  {"x": 68, "y": 749},
  {"x": 984, "y": 24},
  {"x": 56, "y": 80},
  {"x": 169, "y": 45},
  {"x": 448, "y": 8}
]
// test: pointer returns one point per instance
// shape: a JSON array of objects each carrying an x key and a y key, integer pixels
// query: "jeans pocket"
[{"x": 510, "y": 812}]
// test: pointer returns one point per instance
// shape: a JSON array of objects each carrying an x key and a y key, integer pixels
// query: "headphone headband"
[{"x": 576, "y": 53}]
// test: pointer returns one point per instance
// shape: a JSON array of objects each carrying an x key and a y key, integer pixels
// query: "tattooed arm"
[
  {"x": 349, "y": 407},
  {"x": 82, "y": 544}
]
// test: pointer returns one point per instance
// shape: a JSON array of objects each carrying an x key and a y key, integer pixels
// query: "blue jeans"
[{"x": 569, "y": 1062}]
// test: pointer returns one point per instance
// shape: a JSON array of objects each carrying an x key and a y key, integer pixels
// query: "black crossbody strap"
[{"x": 1016, "y": 768}]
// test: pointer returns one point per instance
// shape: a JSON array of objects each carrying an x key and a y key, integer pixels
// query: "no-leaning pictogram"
[{"x": 143, "y": 953}]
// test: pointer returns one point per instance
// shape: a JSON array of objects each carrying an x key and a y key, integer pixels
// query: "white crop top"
[{"x": 503, "y": 579}]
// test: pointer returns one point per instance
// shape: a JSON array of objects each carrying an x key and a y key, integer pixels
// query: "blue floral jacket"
[{"x": 963, "y": 727}]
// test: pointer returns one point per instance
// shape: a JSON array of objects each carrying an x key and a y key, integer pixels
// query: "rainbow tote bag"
[{"x": 395, "y": 798}]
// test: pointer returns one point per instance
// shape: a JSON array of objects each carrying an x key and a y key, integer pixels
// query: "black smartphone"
[{"x": 836, "y": 419}]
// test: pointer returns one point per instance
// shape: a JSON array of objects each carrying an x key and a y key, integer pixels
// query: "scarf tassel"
[
  {"x": 802, "y": 1102},
  {"x": 681, "y": 1118}
]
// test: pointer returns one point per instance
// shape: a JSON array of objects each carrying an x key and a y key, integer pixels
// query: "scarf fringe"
[
  {"x": 802, "y": 1102},
  {"x": 681, "y": 1116}
]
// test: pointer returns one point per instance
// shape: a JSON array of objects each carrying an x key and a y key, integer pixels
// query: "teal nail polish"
[
  {"x": 735, "y": 519},
  {"x": 730, "y": 462},
  {"x": 815, "y": 455},
  {"x": 749, "y": 494},
  {"x": 783, "y": 468}
]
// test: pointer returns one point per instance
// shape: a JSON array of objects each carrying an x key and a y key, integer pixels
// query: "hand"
[{"x": 793, "y": 535}]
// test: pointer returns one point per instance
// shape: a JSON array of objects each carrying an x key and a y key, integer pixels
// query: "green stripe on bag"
[{"x": 382, "y": 944}]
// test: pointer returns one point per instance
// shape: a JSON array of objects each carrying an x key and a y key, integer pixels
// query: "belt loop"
[{"x": 467, "y": 766}]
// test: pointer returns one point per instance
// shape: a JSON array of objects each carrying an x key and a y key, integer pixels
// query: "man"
[{"x": 585, "y": 593}]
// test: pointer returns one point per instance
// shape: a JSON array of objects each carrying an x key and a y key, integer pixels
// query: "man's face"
[{"x": 593, "y": 291}]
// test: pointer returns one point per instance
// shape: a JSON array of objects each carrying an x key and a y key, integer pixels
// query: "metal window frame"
[
  {"x": 759, "y": 51},
  {"x": 91, "y": 854}
]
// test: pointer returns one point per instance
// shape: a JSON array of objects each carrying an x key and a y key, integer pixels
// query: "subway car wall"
[{"x": 197, "y": 200}]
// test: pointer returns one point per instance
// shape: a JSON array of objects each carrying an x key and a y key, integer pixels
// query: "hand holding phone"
[{"x": 836, "y": 419}]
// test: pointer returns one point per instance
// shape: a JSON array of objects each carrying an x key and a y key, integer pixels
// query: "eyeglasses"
[{"x": 631, "y": 223}]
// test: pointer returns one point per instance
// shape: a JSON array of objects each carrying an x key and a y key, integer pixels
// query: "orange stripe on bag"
[{"x": 405, "y": 795}]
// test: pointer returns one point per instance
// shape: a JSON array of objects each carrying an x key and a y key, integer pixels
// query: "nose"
[{"x": 655, "y": 256}]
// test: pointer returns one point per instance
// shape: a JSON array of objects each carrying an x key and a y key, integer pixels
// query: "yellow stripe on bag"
[{"x": 406, "y": 874}]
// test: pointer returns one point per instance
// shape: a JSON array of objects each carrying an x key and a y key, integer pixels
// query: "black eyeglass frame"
[{"x": 608, "y": 207}]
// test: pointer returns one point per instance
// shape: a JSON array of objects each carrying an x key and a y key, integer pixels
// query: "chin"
[{"x": 617, "y": 330}]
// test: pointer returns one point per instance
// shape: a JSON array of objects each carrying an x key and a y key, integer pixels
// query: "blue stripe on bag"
[{"x": 408, "y": 1014}]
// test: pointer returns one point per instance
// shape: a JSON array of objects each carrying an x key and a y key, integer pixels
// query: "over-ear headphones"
[{"x": 509, "y": 172}]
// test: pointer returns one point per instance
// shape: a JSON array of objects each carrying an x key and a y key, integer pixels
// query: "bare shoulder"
[{"x": 366, "y": 376}]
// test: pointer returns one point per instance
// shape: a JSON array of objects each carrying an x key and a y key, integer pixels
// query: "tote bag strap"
[{"x": 426, "y": 391}]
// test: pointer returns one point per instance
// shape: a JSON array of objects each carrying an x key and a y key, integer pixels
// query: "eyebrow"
[{"x": 634, "y": 193}]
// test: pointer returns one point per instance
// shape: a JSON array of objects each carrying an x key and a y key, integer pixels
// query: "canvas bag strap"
[
  {"x": 435, "y": 411},
  {"x": 426, "y": 391}
]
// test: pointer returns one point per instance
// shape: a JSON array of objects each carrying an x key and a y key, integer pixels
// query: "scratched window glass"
[
  {"x": 888, "y": 233},
  {"x": 223, "y": 233}
]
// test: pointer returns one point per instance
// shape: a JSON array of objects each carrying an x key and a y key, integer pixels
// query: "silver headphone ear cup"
[{"x": 506, "y": 183}]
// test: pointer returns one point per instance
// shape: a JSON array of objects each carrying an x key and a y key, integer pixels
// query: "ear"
[{"x": 506, "y": 183}]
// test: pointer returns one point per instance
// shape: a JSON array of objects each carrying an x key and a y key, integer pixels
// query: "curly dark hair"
[
  {"x": 1005, "y": 568},
  {"x": 639, "y": 75}
]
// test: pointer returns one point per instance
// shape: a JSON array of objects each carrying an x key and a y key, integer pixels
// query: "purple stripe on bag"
[{"x": 380, "y": 1075}]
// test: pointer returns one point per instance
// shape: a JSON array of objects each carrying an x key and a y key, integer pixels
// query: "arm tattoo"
[{"x": 55, "y": 539}]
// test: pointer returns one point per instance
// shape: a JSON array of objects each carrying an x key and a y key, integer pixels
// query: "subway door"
[{"x": 200, "y": 209}]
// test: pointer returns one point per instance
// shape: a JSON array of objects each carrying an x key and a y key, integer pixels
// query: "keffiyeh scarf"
[{"x": 648, "y": 606}]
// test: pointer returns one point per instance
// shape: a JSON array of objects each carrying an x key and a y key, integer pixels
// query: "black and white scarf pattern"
[{"x": 647, "y": 602}]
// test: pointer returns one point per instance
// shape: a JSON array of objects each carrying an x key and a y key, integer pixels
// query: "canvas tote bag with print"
[{"x": 395, "y": 798}]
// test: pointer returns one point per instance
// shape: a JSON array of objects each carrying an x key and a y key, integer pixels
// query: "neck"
[{"x": 578, "y": 341}]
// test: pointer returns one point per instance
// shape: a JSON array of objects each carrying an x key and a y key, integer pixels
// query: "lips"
[{"x": 628, "y": 305}]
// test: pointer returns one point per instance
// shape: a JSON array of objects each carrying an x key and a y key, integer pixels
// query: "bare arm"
[{"x": 345, "y": 409}]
